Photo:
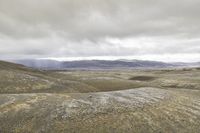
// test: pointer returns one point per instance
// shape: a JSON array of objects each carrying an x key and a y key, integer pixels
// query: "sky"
[{"x": 160, "y": 30}]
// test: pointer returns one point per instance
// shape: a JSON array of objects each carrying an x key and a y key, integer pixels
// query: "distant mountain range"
[{"x": 100, "y": 64}]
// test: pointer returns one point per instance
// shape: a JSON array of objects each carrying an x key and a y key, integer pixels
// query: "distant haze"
[{"x": 100, "y": 29}]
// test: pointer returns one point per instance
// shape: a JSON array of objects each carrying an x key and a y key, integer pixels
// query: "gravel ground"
[{"x": 134, "y": 110}]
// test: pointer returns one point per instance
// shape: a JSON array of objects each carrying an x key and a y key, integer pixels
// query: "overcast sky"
[{"x": 100, "y": 29}]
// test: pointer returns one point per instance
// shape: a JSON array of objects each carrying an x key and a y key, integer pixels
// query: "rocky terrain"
[{"x": 37, "y": 101}]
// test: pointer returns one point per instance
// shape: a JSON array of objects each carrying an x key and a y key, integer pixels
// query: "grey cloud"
[
  {"x": 57, "y": 28},
  {"x": 94, "y": 18}
]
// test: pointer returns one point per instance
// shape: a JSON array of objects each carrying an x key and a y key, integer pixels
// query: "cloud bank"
[{"x": 146, "y": 29}]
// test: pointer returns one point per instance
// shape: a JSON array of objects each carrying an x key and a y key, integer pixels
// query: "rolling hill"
[{"x": 88, "y": 101}]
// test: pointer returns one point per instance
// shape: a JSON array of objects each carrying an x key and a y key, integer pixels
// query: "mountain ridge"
[{"x": 93, "y": 64}]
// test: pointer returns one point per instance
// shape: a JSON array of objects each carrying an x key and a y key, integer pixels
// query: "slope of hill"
[
  {"x": 136, "y": 110},
  {"x": 7, "y": 65},
  {"x": 16, "y": 78}
]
